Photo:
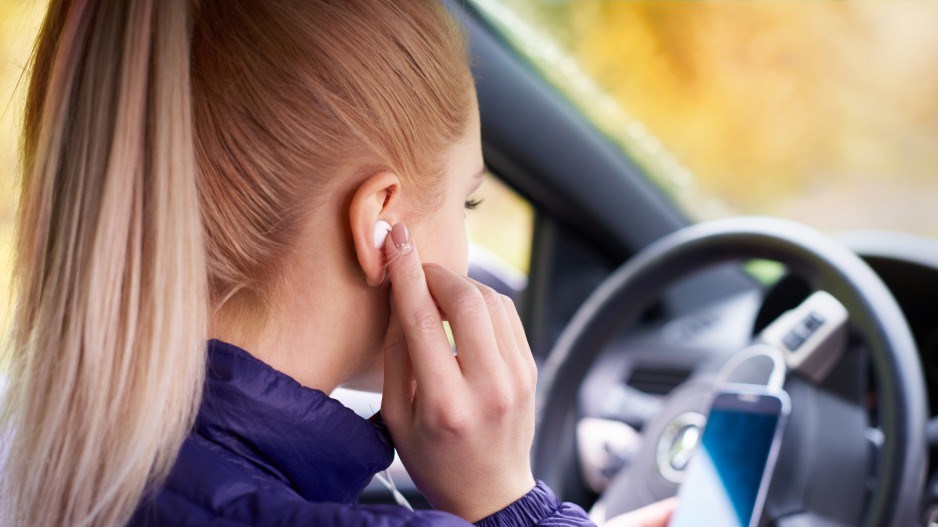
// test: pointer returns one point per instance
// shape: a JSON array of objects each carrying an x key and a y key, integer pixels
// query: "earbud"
[{"x": 382, "y": 228}]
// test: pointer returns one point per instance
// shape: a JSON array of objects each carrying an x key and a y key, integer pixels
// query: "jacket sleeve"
[
  {"x": 538, "y": 507},
  {"x": 225, "y": 494},
  {"x": 255, "y": 507}
]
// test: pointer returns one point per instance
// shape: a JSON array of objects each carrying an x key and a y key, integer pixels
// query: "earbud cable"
[{"x": 385, "y": 478}]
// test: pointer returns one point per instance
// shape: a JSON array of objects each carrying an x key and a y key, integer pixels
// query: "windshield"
[{"x": 821, "y": 112}]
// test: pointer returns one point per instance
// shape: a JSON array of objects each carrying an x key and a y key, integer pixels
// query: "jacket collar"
[{"x": 299, "y": 435}]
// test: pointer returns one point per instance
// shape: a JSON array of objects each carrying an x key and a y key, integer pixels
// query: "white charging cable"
[{"x": 385, "y": 478}]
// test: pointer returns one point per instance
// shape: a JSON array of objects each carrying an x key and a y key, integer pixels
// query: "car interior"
[
  {"x": 633, "y": 310},
  {"x": 638, "y": 310}
]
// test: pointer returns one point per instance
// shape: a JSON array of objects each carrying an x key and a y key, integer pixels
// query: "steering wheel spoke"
[{"x": 812, "y": 337}]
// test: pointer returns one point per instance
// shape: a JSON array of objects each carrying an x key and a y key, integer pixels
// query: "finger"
[
  {"x": 520, "y": 364},
  {"x": 426, "y": 342},
  {"x": 469, "y": 319},
  {"x": 654, "y": 515},
  {"x": 398, "y": 393},
  {"x": 521, "y": 340},
  {"x": 501, "y": 323}
]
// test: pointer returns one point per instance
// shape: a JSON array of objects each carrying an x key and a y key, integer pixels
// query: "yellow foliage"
[
  {"x": 19, "y": 22},
  {"x": 826, "y": 112}
]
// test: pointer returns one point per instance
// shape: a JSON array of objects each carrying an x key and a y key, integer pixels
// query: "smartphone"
[{"x": 728, "y": 476}]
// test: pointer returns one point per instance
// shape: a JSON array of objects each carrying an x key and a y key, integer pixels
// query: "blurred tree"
[{"x": 766, "y": 103}]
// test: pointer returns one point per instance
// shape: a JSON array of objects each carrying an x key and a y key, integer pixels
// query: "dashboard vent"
[{"x": 657, "y": 381}]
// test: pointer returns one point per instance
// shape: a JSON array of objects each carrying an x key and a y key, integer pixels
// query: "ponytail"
[
  {"x": 107, "y": 358},
  {"x": 122, "y": 251}
]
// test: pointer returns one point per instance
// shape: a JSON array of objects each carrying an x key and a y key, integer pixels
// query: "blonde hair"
[{"x": 149, "y": 199}]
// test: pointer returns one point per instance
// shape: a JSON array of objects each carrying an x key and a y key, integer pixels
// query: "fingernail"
[{"x": 401, "y": 238}]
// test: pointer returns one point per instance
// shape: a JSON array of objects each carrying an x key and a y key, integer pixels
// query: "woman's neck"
[{"x": 322, "y": 325}]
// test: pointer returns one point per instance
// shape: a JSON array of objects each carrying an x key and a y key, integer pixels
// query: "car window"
[
  {"x": 823, "y": 112},
  {"x": 500, "y": 229},
  {"x": 502, "y": 224}
]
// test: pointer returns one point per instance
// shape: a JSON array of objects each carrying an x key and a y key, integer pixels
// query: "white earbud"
[{"x": 382, "y": 228}]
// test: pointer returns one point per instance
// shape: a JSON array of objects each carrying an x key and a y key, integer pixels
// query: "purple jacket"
[{"x": 267, "y": 451}]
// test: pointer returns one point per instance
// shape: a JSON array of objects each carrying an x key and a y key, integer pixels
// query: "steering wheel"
[{"x": 834, "y": 468}]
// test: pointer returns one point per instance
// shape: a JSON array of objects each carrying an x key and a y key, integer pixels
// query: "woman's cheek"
[
  {"x": 446, "y": 245},
  {"x": 457, "y": 249}
]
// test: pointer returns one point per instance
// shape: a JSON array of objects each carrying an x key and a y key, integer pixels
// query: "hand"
[
  {"x": 463, "y": 425},
  {"x": 654, "y": 515}
]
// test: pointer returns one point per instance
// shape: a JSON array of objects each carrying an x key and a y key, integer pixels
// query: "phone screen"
[{"x": 723, "y": 480}]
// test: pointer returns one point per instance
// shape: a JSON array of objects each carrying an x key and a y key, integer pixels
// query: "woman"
[{"x": 230, "y": 169}]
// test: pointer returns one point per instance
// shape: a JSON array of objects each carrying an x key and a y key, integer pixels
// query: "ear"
[{"x": 375, "y": 199}]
